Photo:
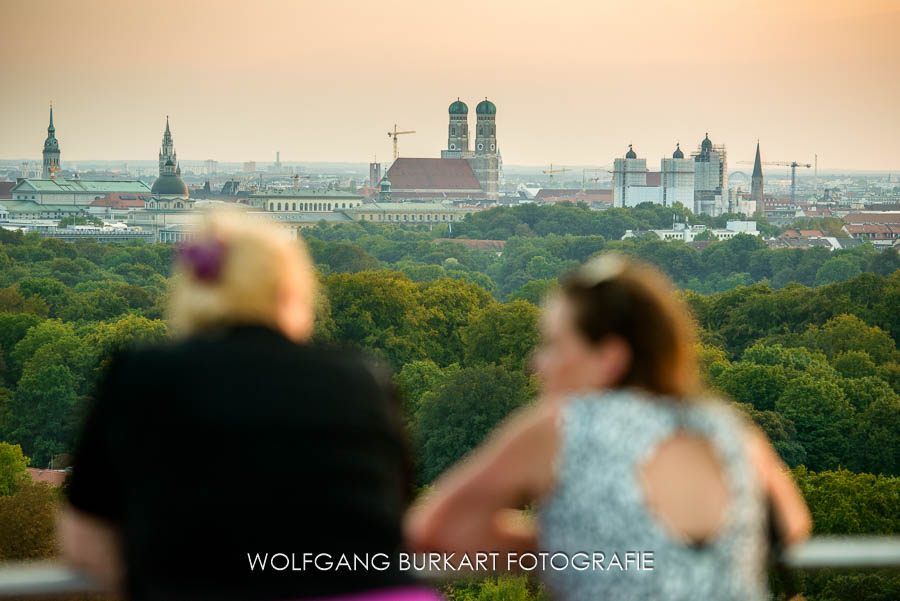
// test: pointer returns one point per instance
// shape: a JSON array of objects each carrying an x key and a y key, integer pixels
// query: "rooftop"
[
  {"x": 30, "y": 206},
  {"x": 860, "y": 218},
  {"x": 300, "y": 217},
  {"x": 418, "y": 207},
  {"x": 119, "y": 200},
  {"x": 489, "y": 245},
  {"x": 408, "y": 174},
  {"x": 306, "y": 194},
  {"x": 81, "y": 186}
]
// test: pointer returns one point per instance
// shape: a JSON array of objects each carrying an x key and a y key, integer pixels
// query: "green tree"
[
  {"x": 379, "y": 311},
  {"x": 534, "y": 291},
  {"x": 504, "y": 334},
  {"x": 454, "y": 418},
  {"x": 823, "y": 418},
  {"x": 341, "y": 256},
  {"x": 875, "y": 443},
  {"x": 13, "y": 468},
  {"x": 837, "y": 269},
  {"x": 416, "y": 379},
  {"x": 449, "y": 305},
  {"x": 42, "y": 413},
  {"x": 758, "y": 385},
  {"x": 854, "y": 364},
  {"x": 842, "y": 502},
  {"x": 849, "y": 332},
  {"x": 28, "y": 523}
]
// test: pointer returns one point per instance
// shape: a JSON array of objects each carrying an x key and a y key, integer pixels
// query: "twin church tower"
[{"x": 485, "y": 159}]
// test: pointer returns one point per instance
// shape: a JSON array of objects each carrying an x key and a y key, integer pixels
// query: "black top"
[{"x": 240, "y": 442}]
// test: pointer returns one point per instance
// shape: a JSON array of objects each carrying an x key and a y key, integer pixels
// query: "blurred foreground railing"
[{"x": 20, "y": 580}]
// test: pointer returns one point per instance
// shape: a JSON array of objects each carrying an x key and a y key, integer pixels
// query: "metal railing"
[{"x": 20, "y": 580}]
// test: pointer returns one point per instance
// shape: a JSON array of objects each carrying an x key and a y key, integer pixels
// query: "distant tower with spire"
[
  {"x": 169, "y": 182},
  {"x": 51, "y": 151},
  {"x": 167, "y": 153},
  {"x": 756, "y": 183}
]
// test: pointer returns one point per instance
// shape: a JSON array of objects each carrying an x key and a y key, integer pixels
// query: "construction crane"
[
  {"x": 394, "y": 134},
  {"x": 553, "y": 171},
  {"x": 792, "y": 164},
  {"x": 590, "y": 170},
  {"x": 53, "y": 171}
]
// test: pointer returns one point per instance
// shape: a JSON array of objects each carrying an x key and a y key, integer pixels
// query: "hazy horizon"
[{"x": 573, "y": 85}]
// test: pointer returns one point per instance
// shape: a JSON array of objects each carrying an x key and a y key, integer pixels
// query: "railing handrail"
[{"x": 22, "y": 579}]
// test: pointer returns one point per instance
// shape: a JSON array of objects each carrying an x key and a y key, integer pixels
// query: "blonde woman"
[
  {"x": 647, "y": 488},
  {"x": 207, "y": 464}
]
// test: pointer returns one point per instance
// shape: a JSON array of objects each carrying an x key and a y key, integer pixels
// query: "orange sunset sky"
[{"x": 574, "y": 81}]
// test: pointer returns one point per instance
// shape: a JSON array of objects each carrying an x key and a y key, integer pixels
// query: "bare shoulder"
[
  {"x": 537, "y": 439},
  {"x": 530, "y": 431}
]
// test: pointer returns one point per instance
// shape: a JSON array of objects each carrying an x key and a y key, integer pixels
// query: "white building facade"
[
  {"x": 676, "y": 181},
  {"x": 629, "y": 177},
  {"x": 710, "y": 179}
]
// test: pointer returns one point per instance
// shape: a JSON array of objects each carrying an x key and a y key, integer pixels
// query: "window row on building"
[
  {"x": 407, "y": 217},
  {"x": 311, "y": 206}
]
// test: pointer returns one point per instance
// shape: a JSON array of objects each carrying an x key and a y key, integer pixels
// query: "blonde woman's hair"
[{"x": 235, "y": 272}]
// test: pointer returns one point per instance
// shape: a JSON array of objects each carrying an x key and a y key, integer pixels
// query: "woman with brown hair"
[{"x": 646, "y": 487}]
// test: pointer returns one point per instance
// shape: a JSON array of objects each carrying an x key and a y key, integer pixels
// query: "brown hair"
[{"x": 617, "y": 296}]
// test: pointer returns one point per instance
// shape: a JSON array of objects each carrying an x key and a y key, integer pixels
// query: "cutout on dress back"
[{"x": 685, "y": 488}]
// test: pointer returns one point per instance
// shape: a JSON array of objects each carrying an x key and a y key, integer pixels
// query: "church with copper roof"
[{"x": 462, "y": 173}]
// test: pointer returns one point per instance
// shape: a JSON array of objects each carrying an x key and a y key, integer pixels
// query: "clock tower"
[{"x": 51, "y": 151}]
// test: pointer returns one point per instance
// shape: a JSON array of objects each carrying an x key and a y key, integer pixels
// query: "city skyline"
[{"x": 572, "y": 86}]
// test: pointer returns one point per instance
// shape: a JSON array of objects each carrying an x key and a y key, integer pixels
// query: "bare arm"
[
  {"x": 91, "y": 545},
  {"x": 472, "y": 507},
  {"x": 791, "y": 513}
]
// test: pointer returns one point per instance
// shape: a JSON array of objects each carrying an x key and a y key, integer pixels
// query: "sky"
[{"x": 574, "y": 82}]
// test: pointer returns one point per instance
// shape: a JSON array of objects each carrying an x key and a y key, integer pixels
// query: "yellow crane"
[
  {"x": 394, "y": 134},
  {"x": 53, "y": 171},
  {"x": 553, "y": 171}
]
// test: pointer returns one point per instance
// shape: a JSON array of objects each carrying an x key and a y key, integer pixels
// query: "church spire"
[
  {"x": 756, "y": 184},
  {"x": 757, "y": 164},
  {"x": 167, "y": 158},
  {"x": 51, "y": 151}
]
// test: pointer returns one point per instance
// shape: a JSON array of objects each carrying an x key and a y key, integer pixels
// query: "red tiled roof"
[
  {"x": 491, "y": 245},
  {"x": 860, "y": 218},
  {"x": 121, "y": 200},
  {"x": 801, "y": 234},
  {"x": 51, "y": 477},
  {"x": 6, "y": 190},
  {"x": 435, "y": 176},
  {"x": 817, "y": 212},
  {"x": 573, "y": 194},
  {"x": 868, "y": 228}
]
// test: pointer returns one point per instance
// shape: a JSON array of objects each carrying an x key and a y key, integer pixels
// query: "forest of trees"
[
  {"x": 803, "y": 341},
  {"x": 542, "y": 242}
]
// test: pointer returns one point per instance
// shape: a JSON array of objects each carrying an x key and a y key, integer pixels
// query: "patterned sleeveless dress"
[{"x": 598, "y": 505}]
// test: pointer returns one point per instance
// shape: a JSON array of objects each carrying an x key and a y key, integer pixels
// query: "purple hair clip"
[{"x": 203, "y": 257}]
